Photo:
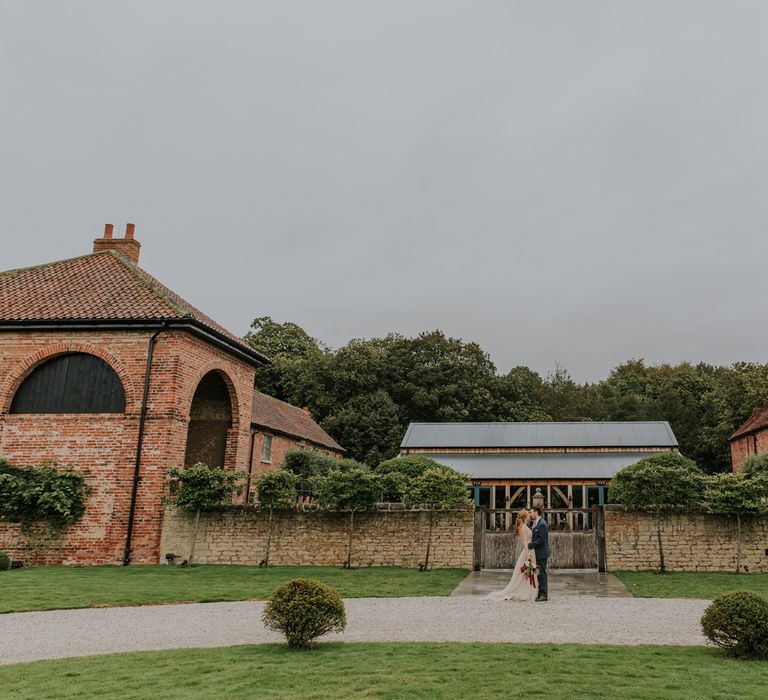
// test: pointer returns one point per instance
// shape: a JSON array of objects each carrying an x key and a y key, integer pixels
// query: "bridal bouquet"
[{"x": 531, "y": 571}]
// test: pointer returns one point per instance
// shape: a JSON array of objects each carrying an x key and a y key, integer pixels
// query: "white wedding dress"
[{"x": 519, "y": 586}]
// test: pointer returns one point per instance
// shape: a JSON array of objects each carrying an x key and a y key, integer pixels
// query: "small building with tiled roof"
[
  {"x": 751, "y": 438},
  {"x": 279, "y": 427},
  {"x": 106, "y": 371}
]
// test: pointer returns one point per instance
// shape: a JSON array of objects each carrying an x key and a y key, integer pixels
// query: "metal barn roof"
[
  {"x": 571, "y": 465},
  {"x": 577, "y": 434}
]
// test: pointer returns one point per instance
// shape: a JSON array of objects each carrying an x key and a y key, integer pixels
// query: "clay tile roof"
[
  {"x": 103, "y": 286},
  {"x": 271, "y": 413},
  {"x": 757, "y": 421}
]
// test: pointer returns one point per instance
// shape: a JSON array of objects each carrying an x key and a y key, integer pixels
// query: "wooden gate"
[{"x": 576, "y": 538}]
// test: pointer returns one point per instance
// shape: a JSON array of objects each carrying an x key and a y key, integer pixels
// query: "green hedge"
[{"x": 667, "y": 479}]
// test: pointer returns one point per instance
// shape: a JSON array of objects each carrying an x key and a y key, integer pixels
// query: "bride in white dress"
[{"x": 520, "y": 586}]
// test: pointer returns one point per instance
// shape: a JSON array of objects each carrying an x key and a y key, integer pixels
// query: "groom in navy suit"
[{"x": 540, "y": 544}]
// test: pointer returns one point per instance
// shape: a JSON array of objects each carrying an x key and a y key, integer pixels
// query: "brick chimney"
[{"x": 128, "y": 246}]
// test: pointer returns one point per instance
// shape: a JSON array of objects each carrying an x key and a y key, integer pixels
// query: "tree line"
[{"x": 365, "y": 393}]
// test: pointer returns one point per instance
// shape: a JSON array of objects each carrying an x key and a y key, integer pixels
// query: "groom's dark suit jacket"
[{"x": 540, "y": 540}]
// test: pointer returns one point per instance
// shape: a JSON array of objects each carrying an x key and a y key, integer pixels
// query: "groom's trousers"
[{"x": 543, "y": 591}]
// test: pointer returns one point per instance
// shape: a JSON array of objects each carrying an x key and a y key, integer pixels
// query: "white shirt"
[{"x": 536, "y": 522}]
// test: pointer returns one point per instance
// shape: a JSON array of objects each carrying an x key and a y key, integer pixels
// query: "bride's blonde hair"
[{"x": 522, "y": 516}]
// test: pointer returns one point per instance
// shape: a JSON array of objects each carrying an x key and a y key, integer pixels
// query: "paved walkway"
[
  {"x": 561, "y": 582},
  {"x": 580, "y": 619}
]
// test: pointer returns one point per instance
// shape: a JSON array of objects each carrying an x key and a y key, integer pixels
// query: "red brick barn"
[
  {"x": 750, "y": 439},
  {"x": 106, "y": 371}
]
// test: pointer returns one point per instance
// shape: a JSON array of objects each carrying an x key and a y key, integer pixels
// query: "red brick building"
[
  {"x": 279, "y": 427},
  {"x": 106, "y": 371},
  {"x": 750, "y": 439}
]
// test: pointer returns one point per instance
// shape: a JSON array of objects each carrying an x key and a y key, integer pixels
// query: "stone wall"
[
  {"x": 237, "y": 535},
  {"x": 691, "y": 542}
]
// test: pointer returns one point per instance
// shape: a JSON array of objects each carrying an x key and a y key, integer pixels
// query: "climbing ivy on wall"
[{"x": 41, "y": 495}]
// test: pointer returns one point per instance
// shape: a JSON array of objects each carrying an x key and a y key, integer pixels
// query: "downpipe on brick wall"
[{"x": 139, "y": 442}]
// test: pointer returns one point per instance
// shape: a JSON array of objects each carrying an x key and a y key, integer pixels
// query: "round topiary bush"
[
  {"x": 5, "y": 561},
  {"x": 304, "y": 609},
  {"x": 411, "y": 466},
  {"x": 738, "y": 623}
]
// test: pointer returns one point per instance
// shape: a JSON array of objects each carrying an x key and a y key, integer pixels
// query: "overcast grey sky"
[{"x": 563, "y": 182}]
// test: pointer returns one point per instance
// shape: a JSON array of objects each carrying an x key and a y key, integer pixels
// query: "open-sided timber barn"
[{"x": 571, "y": 463}]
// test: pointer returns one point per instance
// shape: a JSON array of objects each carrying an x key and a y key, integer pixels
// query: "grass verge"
[
  {"x": 646, "y": 584},
  {"x": 51, "y": 588},
  {"x": 336, "y": 670}
]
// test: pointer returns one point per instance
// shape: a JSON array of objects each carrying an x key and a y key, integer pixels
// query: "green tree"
[
  {"x": 308, "y": 466},
  {"x": 680, "y": 396},
  {"x": 703, "y": 404},
  {"x": 656, "y": 483},
  {"x": 352, "y": 490},
  {"x": 398, "y": 380},
  {"x": 437, "y": 378},
  {"x": 326, "y": 383},
  {"x": 396, "y": 474},
  {"x": 736, "y": 495},
  {"x": 275, "y": 489},
  {"x": 410, "y": 466},
  {"x": 518, "y": 396},
  {"x": 286, "y": 344},
  {"x": 432, "y": 377},
  {"x": 275, "y": 339},
  {"x": 435, "y": 487},
  {"x": 369, "y": 425},
  {"x": 736, "y": 392},
  {"x": 563, "y": 399},
  {"x": 199, "y": 488}
]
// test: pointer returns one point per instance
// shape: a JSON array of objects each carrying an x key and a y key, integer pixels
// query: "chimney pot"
[{"x": 128, "y": 247}]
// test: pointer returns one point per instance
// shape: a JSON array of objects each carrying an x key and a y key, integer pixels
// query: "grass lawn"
[
  {"x": 56, "y": 587},
  {"x": 646, "y": 584},
  {"x": 336, "y": 670}
]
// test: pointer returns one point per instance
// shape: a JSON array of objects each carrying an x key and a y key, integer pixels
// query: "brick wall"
[
  {"x": 103, "y": 446},
  {"x": 691, "y": 542},
  {"x": 237, "y": 535},
  {"x": 743, "y": 447}
]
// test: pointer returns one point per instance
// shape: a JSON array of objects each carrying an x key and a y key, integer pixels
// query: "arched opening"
[
  {"x": 210, "y": 419},
  {"x": 74, "y": 382}
]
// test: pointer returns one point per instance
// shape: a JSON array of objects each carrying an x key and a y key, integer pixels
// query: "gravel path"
[{"x": 583, "y": 619}]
